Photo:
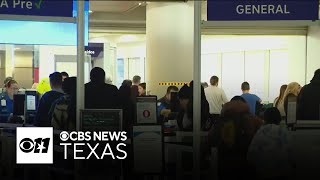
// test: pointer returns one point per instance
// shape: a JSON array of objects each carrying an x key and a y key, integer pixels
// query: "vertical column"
[
  {"x": 107, "y": 62},
  {"x": 169, "y": 33},
  {"x": 80, "y": 72},
  {"x": 173, "y": 54},
  {"x": 9, "y": 65},
  {"x": 80, "y": 61},
  {"x": 197, "y": 90},
  {"x": 36, "y": 64}
]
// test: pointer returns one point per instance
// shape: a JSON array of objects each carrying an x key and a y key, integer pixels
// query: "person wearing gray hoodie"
[{"x": 270, "y": 151}]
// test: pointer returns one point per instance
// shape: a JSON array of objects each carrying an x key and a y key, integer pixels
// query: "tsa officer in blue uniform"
[{"x": 6, "y": 100}]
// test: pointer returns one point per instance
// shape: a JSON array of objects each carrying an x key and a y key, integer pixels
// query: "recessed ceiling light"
[{"x": 140, "y": 4}]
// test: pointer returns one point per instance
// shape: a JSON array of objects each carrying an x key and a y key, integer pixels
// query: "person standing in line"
[
  {"x": 251, "y": 99},
  {"x": 309, "y": 99},
  {"x": 48, "y": 99},
  {"x": 63, "y": 111},
  {"x": 216, "y": 98},
  {"x": 127, "y": 106},
  {"x": 136, "y": 80},
  {"x": 278, "y": 102},
  {"x": 98, "y": 94},
  {"x": 204, "y": 85},
  {"x": 270, "y": 151},
  {"x": 291, "y": 92},
  {"x": 64, "y": 75}
]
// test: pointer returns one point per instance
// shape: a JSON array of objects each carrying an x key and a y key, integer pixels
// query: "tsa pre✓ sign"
[
  {"x": 233, "y": 10},
  {"x": 57, "y": 8}
]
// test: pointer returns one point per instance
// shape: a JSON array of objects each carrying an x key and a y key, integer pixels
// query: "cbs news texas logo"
[{"x": 34, "y": 145}]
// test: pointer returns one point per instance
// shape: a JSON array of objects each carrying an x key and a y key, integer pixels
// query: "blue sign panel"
[
  {"x": 94, "y": 49},
  {"x": 56, "y": 8},
  {"x": 234, "y": 10},
  {"x": 43, "y": 33}
]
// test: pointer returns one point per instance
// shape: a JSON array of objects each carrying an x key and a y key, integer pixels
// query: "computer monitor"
[
  {"x": 101, "y": 119},
  {"x": 31, "y": 100},
  {"x": 292, "y": 111},
  {"x": 19, "y": 105},
  {"x": 146, "y": 110},
  {"x": 307, "y": 125}
]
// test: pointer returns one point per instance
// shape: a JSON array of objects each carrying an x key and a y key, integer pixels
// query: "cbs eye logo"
[{"x": 39, "y": 145}]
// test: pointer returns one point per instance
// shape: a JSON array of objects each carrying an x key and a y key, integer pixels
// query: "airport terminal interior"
[{"x": 199, "y": 94}]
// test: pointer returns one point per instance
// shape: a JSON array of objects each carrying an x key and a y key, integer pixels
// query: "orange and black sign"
[{"x": 173, "y": 83}]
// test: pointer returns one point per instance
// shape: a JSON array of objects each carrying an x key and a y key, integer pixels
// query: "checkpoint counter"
[
  {"x": 173, "y": 149},
  {"x": 24, "y": 108},
  {"x": 8, "y": 167},
  {"x": 306, "y": 148}
]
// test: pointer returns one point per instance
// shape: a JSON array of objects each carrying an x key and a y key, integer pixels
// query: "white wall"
[
  {"x": 23, "y": 59},
  {"x": 131, "y": 50},
  {"x": 313, "y": 51},
  {"x": 297, "y": 59},
  {"x": 296, "y": 46},
  {"x": 221, "y": 43},
  {"x": 9, "y": 60},
  {"x": 290, "y": 49},
  {"x": 46, "y": 58}
]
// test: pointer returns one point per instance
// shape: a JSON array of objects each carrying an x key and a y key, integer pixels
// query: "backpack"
[{"x": 61, "y": 117}]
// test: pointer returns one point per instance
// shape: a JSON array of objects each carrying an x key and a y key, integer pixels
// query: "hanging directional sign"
[
  {"x": 55, "y": 8},
  {"x": 234, "y": 10}
]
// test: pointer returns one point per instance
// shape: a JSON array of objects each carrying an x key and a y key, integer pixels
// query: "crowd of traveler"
[{"x": 245, "y": 140}]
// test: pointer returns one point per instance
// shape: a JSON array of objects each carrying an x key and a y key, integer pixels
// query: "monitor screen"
[
  {"x": 31, "y": 103},
  {"x": 101, "y": 120},
  {"x": 292, "y": 110},
  {"x": 146, "y": 110},
  {"x": 18, "y": 104},
  {"x": 31, "y": 100}
]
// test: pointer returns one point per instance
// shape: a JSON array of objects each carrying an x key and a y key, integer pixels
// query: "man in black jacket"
[
  {"x": 98, "y": 94},
  {"x": 309, "y": 99},
  {"x": 46, "y": 101}
]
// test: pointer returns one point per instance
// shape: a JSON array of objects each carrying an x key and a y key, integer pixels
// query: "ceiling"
[
  {"x": 119, "y": 16},
  {"x": 114, "y": 6},
  {"x": 109, "y": 15}
]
